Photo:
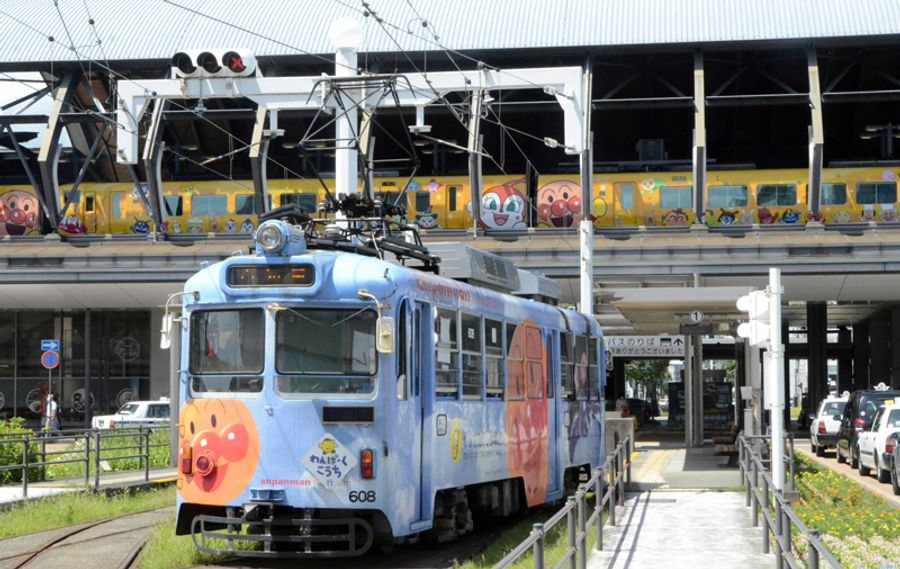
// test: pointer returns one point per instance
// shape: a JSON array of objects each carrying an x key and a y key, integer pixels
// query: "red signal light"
[
  {"x": 234, "y": 62},
  {"x": 367, "y": 463}
]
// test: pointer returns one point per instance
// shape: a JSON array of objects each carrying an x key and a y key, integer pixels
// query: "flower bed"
[{"x": 859, "y": 528}]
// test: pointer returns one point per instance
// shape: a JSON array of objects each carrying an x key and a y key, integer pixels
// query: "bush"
[
  {"x": 159, "y": 455},
  {"x": 11, "y": 453}
]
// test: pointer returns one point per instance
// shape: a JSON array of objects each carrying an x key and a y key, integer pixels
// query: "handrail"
[
  {"x": 137, "y": 440},
  {"x": 760, "y": 492},
  {"x": 613, "y": 471}
]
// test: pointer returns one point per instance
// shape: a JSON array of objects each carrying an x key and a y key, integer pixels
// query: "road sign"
[
  {"x": 696, "y": 329},
  {"x": 696, "y": 316},
  {"x": 50, "y": 359},
  {"x": 645, "y": 346},
  {"x": 47, "y": 345}
]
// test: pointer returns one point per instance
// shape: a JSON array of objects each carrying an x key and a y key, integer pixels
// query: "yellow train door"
[
  {"x": 94, "y": 215},
  {"x": 603, "y": 205}
]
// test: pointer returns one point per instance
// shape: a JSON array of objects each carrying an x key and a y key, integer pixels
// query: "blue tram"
[{"x": 332, "y": 400}]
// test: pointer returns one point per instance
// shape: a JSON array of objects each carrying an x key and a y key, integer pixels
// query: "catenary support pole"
[{"x": 775, "y": 389}]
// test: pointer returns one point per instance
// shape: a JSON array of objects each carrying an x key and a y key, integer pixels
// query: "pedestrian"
[{"x": 51, "y": 418}]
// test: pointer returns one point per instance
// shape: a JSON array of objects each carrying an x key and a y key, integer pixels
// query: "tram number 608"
[{"x": 362, "y": 496}]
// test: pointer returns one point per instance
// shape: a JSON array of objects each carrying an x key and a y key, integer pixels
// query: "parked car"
[
  {"x": 895, "y": 464},
  {"x": 136, "y": 414},
  {"x": 858, "y": 415},
  {"x": 875, "y": 443},
  {"x": 824, "y": 424}
]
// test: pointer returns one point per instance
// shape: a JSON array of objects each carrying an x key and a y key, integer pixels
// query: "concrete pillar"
[
  {"x": 615, "y": 381},
  {"x": 879, "y": 350},
  {"x": 698, "y": 390},
  {"x": 860, "y": 358},
  {"x": 845, "y": 359},
  {"x": 895, "y": 348},
  {"x": 689, "y": 391},
  {"x": 817, "y": 354},
  {"x": 753, "y": 413}
]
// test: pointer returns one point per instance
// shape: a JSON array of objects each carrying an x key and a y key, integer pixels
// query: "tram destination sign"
[{"x": 645, "y": 346}]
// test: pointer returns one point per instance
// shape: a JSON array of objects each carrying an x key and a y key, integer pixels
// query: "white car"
[
  {"x": 875, "y": 441},
  {"x": 824, "y": 427},
  {"x": 136, "y": 414}
]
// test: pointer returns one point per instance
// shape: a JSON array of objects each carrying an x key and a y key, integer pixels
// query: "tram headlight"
[{"x": 270, "y": 237}]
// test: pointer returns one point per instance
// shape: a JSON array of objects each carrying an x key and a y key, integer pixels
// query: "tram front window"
[
  {"x": 325, "y": 351},
  {"x": 227, "y": 342}
]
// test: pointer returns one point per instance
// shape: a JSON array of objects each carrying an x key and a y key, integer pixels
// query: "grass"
[
  {"x": 165, "y": 550},
  {"x": 555, "y": 541},
  {"x": 77, "y": 507}
]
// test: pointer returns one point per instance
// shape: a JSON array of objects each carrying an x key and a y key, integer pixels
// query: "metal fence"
[
  {"x": 778, "y": 515},
  {"x": 612, "y": 473},
  {"x": 97, "y": 449}
]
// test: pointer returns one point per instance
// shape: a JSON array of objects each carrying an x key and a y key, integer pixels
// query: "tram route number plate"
[{"x": 328, "y": 461}]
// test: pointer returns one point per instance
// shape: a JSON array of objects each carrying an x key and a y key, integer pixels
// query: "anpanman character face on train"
[
  {"x": 18, "y": 212},
  {"x": 218, "y": 450},
  {"x": 503, "y": 207},
  {"x": 559, "y": 204}
]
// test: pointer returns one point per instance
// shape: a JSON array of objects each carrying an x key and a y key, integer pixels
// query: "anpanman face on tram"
[{"x": 218, "y": 450}]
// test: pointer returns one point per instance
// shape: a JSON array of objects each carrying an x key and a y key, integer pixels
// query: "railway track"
[
  {"x": 423, "y": 555},
  {"x": 102, "y": 544}
]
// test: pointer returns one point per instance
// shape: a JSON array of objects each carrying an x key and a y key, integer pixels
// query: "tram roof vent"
[
  {"x": 538, "y": 287},
  {"x": 476, "y": 267}
]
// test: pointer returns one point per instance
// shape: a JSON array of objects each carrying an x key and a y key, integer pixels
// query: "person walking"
[{"x": 51, "y": 418}]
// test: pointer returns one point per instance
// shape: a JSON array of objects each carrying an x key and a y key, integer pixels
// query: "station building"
[{"x": 678, "y": 86}]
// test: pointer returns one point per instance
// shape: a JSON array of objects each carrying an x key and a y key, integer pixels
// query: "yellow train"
[{"x": 739, "y": 197}]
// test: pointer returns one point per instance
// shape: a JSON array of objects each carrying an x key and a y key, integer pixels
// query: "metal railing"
[
  {"x": 612, "y": 473},
  {"x": 97, "y": 450},
  {"x": 778, "y": 515}
]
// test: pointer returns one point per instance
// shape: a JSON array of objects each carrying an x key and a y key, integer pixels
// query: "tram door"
[
  {"x": 551, "y": 342},
  {"x": 419, "y": 388}
]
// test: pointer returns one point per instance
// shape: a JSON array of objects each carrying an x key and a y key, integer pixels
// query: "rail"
[
  {"x": 97, "y": 449},
  {"x": 778, "y": 515},
  {"x": 612, "y": 473}
]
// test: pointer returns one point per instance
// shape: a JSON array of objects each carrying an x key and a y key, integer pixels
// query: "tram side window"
[
  {"x": 471, "y": 356},
  {"x": 391, "y": 198},
  {"x": 768, "y": 195},
  {"x": 423, "y": 201},
  {"x": 551, "y": 376},
  {"x": 209, "y": 205},
  {"x": 581, "y": 367},
  {"x": 834, "y": 194},
  {"x": 567, "y": 365},
  {"x": 593, "y": 378},
  {"x": 115, "y": 205},
  {"x": 515, "y": 365},
  {"x": 493, "y": 357},
  {"x": 451, "y": 197},
  {"x": 306, "y": 202},
  {"x": 245, "y": 204},
  {"x": 402, "y": 348},
  {"x": 674, "y": 197},
  {"x": 446, "y": 353},
  {"x": 727, "y": 196},
  {"x": 174, "y": 205},
  {"x": 626, "y": 195},
  {"x": 876, "y": 192},
  {"x": 534, "y": 352}
]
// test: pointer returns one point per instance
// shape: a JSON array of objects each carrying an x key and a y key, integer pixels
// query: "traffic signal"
[
  {"x": 190, "y": 63},
  {"x": 757, "y": 330}
]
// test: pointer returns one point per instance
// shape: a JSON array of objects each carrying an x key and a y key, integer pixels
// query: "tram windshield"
[
  {"x": 325, "y": 342},
  {"x": 227, "y": 341}
]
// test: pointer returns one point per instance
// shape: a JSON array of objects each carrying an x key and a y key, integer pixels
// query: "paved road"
[{"x": 869, "y": 482}]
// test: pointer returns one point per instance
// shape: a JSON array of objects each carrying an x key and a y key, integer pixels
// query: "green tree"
[{"x": 647, "y": 376}]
